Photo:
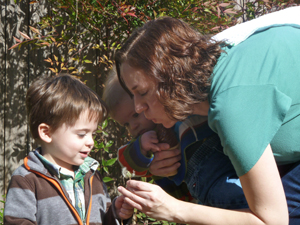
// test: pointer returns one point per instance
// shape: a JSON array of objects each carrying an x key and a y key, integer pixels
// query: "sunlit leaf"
[
  {"x": 45, "y": 43},
  {"x": 34, "y": 30},
  {"x": 110, "y": 162},
  {"x": 53, "y": 70},
  {"x": 18, "y": 40},
  {"x": 229, "y": 11},
  {"x": 224, "y": 4},
  {"x": 14, "y": 46},
  {"x": 48, "y": 60},
  {"x": 109, "y": 143},
  {"x": 107, "y": 179},
  {"x": 104, "y": 124},
  {"x": 24, "y": 35}
]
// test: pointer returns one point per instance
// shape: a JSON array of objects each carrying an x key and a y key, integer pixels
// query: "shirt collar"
[{"x": 88, "y": 164}]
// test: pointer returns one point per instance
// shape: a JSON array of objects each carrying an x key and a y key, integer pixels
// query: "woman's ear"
[{"x": 44, "y": 132}]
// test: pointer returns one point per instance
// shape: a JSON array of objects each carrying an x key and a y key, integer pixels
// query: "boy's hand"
[
  {"x": 165, "y": 163},
  {"x": 149, "y": 142},
  {"x": 124, "y": 211}
]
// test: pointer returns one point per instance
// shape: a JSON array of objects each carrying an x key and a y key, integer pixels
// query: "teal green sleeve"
[{"x": 246, "y": 118}]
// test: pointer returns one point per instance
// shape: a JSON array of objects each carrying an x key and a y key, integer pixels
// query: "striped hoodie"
[{"x": 36, "y": 197}]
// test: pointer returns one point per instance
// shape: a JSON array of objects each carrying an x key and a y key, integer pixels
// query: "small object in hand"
[
  {"x": 126, "y": 174},
  {"x": 166, "y": 135}
]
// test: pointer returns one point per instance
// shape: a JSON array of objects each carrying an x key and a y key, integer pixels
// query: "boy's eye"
[{"x": 135, "y": 115}]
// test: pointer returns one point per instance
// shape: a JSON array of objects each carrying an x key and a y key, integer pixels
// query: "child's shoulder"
[{"x": 21, "y": 171}]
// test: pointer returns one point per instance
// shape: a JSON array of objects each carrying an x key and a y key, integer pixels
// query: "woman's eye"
[
  {"x": 81, "y": 135},
  {"x": 144, "y": 93},
  {"x": 135, "y": 115}
]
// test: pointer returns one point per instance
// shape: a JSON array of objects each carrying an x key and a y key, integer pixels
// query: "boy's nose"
[
  {"x": 132, "y": 126},
  {"x": 90, "y": 141}
]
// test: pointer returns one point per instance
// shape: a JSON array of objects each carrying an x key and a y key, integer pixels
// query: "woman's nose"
[{"x": 139, "y": 105}]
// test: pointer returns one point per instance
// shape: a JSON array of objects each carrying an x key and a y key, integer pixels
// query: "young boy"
[
  {"x": 59, "y": 183},
  {"x": 208, "y": 183}
]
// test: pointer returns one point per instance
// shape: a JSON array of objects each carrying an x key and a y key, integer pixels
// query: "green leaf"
[
  {"x": 105, "y": 169},
  {"x": 109, "y": 143},
  {"x": 110, "y": 162},
  {"x": 107, "y": 179},
  {"x": 104, "y": 124}
]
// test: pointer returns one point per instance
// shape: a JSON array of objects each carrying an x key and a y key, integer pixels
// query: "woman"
[{"x": 250, "y": 93}]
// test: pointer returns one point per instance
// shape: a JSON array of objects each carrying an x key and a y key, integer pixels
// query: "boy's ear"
[{"x": 44, "y": 132}]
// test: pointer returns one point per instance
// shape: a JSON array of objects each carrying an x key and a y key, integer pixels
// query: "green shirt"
[{"x": 255, "y": 98}]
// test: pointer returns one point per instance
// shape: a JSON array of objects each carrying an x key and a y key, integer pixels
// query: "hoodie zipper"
[{"x": 60, "y": 189}]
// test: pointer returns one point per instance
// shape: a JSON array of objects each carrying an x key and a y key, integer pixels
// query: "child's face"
[
  {"x": 125, "y": 115},
  {"x": 71, "y": 145}
]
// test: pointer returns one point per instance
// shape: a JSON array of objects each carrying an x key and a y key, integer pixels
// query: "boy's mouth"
[{"x": 84, "y": 154}]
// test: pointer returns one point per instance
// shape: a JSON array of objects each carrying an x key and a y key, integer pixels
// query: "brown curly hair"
[{"x": 177, "y": 57}]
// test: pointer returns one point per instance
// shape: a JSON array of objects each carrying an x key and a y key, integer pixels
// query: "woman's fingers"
[
  {"x": 131, "y": 198},
  {"x": 135, "y": 186},
  {"x": 149, "y": 199}
]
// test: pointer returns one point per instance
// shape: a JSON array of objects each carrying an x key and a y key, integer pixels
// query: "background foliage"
[{"x": 84, "y": 35}]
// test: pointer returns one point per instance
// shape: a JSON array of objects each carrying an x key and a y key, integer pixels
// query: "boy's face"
[
  {"x": 125, "y": 115},
  {"x": 71, "y": 145}
]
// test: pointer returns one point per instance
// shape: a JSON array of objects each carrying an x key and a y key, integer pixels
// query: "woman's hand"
[
  {"x": 150, "y": 199},
  {"x": 165, "y": 162},
  {"x": 262, "y": 187}
]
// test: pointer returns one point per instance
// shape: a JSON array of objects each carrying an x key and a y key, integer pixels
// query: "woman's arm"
[{"x": 263, "y": 190}]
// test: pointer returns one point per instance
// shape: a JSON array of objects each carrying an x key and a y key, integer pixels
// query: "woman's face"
[{"x": 145, "y": 98}]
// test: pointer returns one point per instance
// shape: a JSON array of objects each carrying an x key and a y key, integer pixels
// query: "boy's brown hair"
[{"x": 61, "y": 99}]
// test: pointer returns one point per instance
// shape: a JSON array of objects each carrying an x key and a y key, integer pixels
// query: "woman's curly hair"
[{"x": 177, "y": 57}]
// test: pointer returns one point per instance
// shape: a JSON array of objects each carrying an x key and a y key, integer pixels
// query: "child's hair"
[
  {"x": 113, "y": 92},
  {"x": 61, "y": 99}
]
